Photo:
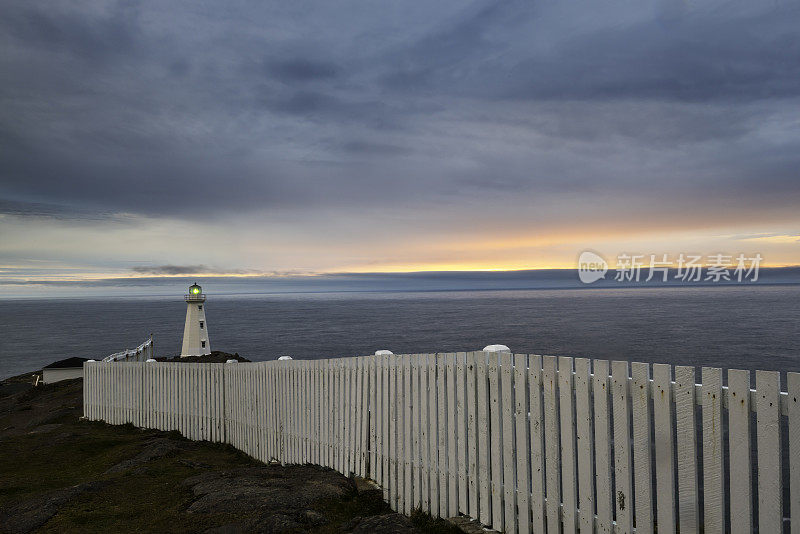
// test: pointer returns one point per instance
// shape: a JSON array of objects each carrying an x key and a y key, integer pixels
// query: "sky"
[{"x": 269, "y": 139}]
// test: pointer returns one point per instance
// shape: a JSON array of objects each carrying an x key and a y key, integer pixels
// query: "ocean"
[{"x": 744, "y": 327}]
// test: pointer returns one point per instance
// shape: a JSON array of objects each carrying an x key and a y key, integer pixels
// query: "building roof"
[{"x": 67, "y": 363}]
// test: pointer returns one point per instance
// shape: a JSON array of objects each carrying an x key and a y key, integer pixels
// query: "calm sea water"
[{"x": 734, "y": 327}]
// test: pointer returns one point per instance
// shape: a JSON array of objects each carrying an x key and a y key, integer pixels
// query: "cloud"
[
  {"x": 569, "y": 51},
  {"x": 301, "y": 70},
  {"x": 206, "y": 271},
  {"x": 91, "y": 34},
  {"x": 352, "y": 121},
  {"x": 771, "y": 238},
  {"x": 170, "y": 269},
  {"x": 41, "y": 210},
  {"x": 380, "y": 149}
]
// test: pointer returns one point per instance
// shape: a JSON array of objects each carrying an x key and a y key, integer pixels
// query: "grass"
[
  {"x": 427, "y": 523},
  {"x": 149, "y": 497}
]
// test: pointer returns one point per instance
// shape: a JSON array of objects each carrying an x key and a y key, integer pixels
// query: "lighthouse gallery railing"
[{"x": 523, "y": 443}]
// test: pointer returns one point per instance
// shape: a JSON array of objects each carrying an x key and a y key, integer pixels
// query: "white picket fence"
[
  {"x": 142, "y": 353},
  {"x": 521, "y": 443}
]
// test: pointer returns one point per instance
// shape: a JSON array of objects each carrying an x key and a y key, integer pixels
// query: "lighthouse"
[{"x": 195, "y": 332}]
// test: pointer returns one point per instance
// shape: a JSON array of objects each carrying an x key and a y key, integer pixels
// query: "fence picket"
[
  {"x": 341, "y": 427},
  {"x": 317, "y": 406},
  {"x": 361, "y": 401},
  {"x": 522, "y": 443},
  {"x": 472, "y": 435},
  {"x": 768, "y": 432},
  {"x": 793, "y": 409},
  {"x": 284, "y": 385},
  {"x": 408, "y": 494},
  {"x": 425, "y": 428},
  {"x": 308, "y": 410},
  {"x": 496, "y": 441},
  {"x": 400, "y": 402},
  {"x": 268, "y": 397},
  {"x": 333, "y": 413},
  {"x": 569, "y": 488},
  {"x": 208, "y": 399},
  {"x": 452, "y": 454},
  {"x": 461, "y": 427},
  {"x": 184, "y": 399},
  {"x": 508, "y": 427},
  {"x": 301, "y": 388},
  {"x": 686, "y": 421},
  {"x": 713, "y": 468},
  {"x": 354, "y": 399},
  {"x": 349, "y": 425},
  {"x": 324, "y": 414},
  {"x": 602, "y": 447},
  {"x": 665, "y": 449},
  {"x": 642, "y": 464},
  {"x": 585, "y": 435},
  {"x": 385, "y": 425},
  {"x": 536, "y": 423},
  {"x": 441, "y": 401},
  {"x": 297, "y": 410},
  {"x": 433, "y": 437},
  {"x": 353, "y": 411},
  {"x": 551, "y": 430},
  {"x": 393, "y": 478},
  {"x": 374, "y": 419},
  {"x": 484, "y": 469},
  {"x": 286, "y": 409},
  {"x": 623, "y": 467},
  {"x": 289, "y": 421},
  {"x": 270, "y": 431},
  {"x": 416, "y": 463}
]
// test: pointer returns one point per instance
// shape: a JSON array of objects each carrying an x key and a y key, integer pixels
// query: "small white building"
[
  {"x": 195, "y": 331},
  {"x": 63, "y": 370}
]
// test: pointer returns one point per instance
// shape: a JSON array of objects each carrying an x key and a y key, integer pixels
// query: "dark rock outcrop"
[{"x": 30, "y": 514}]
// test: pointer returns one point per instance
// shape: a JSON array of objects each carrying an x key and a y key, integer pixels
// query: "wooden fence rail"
[{"x": 523, "y": 443}]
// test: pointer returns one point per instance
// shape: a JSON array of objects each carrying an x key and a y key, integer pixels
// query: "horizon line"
[{"x": 278, "y": 275}]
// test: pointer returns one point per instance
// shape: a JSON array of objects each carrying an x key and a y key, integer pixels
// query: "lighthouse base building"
[{"x": 195, "y": 331}]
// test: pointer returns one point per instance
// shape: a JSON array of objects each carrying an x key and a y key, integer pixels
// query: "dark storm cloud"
[
  {"x": 317, "y": 105},
  {"x": 380, "y": 149},
  {"x": 93, "y": 36},
  {"x": 55, "y": 211},
  {"x": 301, "y": 70},
  {"x": 737, "y": 52},
  {"x": 153, "y": 109}
]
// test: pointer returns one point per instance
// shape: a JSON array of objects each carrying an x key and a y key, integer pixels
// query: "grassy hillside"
[{"x": 61, "y": 474}]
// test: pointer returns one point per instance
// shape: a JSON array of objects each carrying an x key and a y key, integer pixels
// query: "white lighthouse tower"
[{"x": 195, "y": 332}]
